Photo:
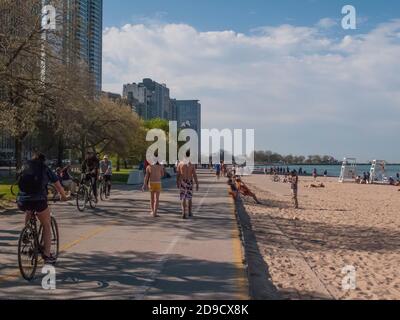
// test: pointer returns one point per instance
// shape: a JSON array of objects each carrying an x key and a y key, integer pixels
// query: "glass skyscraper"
[{"x": 84, "y": 26}]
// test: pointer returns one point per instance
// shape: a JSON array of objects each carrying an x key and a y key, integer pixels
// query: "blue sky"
[
  {"x": 284, "y": 68},
  {"x": 243, "y": 16}
]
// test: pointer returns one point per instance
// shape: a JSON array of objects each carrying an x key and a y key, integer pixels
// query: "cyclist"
[
  {"x": 32, "y": 197},
  {"x": 90, "y": 169},
  {"x": 66, "y": 179},
  {"x": 106, "y": 172}
]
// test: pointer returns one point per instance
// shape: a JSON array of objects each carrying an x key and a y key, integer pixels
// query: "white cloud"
[
  {"x": 327, "y": 23},
  {"x": 308, "y": 92}
]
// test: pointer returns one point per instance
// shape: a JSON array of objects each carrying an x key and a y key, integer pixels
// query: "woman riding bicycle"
[{"x": 32, "y": 197}]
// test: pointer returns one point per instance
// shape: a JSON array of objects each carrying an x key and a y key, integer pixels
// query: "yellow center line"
[
  {"x": 238, "y": 258},
  {"x": 84, "y": 238},
  {"x": 64, "y": 248}
]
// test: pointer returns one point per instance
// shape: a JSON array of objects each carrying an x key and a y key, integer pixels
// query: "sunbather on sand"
[
  {"x": 234, "y": 191},
  {"x": 245, "y": 191},
  {"x": 321, "y": 185}
]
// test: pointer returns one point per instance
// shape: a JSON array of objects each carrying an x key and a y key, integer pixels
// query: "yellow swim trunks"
[{"x": 155, "y": 187}]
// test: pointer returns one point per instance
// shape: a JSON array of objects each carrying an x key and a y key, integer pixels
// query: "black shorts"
[
  {"x": 107, "y": 178},
  {"x": 36, "y": 206}
]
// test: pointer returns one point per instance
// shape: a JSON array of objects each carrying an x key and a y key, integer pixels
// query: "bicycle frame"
[{"x": 32, "y": 223}]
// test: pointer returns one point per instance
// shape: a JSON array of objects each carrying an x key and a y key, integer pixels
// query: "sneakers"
[
  {"x": 26, "y": 239},
  {"x": 49, "y": 260}
]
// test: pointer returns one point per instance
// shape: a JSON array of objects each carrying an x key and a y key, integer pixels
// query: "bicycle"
[
  {"x": 85, "y": 194},
  {"x": 30, "y": 245},
  {"x": 103, "y": 189}
]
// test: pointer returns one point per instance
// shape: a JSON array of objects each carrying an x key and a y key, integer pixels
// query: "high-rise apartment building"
[
  {"x": 150, "y": 99},
  {"x": 83, "y": 24},
  {"x": 188, "y": 116},
  {"x": 136, "y": 96},
  {"x": 158, "y": 99}
]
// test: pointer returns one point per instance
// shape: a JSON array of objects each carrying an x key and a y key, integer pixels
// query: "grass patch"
[
  {"x": 6, "y": 198},
  {"x": 5, "y": 192},
  {"x": 121, "y": 177}
]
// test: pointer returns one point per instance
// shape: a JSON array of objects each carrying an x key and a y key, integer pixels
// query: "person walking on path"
[
  {"x": 152, "y": 180},
  {"x": 185, "y": 179},
  {"x": 294, "y": 187},
  {"x": 218, "y": 170}
]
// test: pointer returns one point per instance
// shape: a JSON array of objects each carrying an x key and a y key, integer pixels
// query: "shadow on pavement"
[{"x": 132, "y": 275}]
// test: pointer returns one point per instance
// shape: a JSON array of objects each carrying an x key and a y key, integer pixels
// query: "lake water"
[{"x": 334, "y": 170}]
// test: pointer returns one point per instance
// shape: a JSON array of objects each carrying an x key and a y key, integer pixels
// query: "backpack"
[{"x": 31, "y": 178}]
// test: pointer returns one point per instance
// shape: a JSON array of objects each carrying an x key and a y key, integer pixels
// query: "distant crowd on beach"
[
  {"x": 366, "y": 178},
  {"x": 288, "y": 171}
]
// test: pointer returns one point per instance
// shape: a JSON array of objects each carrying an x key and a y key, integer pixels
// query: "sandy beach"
[{"x": 337, "y": 226}]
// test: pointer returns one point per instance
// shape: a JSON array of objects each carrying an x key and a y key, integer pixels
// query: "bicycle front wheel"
[
  {"x": 103, "y": 191},
  {"x": 92, "y": 200},
  {"x": 81, "y": 198},
  {"x": 55, "y": 238},
  {"x": 14, "y": 189},
  {"x": 52, "y": 193},
  {"x": 27, "y": 253}
]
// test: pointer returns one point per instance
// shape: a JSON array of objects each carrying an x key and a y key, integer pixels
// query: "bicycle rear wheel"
[
  {"x": 55, "y": 238},
  {"x": 81, "y": 198},
  {"x": 27, "y": 253}
]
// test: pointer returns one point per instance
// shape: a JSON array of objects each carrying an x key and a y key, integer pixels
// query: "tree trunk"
[
  {"x": 18, "y": 153},
  {"x": 83, "y": 149},
  {"x": 60, "y": 153},
  {"x": 118, "y": 164}
]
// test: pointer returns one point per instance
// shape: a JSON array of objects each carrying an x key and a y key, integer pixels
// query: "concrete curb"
[{"x": 260, "y": 284}]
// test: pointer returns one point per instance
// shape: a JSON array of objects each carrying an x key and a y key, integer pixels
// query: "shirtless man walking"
[
  {"x": 152, "y": 180},
  {"x": 186, "y": 173}
]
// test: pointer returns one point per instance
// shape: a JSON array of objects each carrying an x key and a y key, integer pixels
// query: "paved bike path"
[{"x": 119, "y": 252}]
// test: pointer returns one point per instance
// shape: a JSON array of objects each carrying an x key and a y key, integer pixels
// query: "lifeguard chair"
[
  {"x": 349, "y": 170},
  {"x": 378, "y": 172}
]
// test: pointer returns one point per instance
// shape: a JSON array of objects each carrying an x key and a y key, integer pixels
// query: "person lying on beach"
[
  {"x": 245, "y": 191},
  {"x": 321, "y": 185}
]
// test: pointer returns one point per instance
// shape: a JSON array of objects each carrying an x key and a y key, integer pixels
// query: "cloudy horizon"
[{"x": 305, "y": 89}]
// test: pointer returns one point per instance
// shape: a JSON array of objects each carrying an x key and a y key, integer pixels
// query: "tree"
[{"x": 24, "y": 54}]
